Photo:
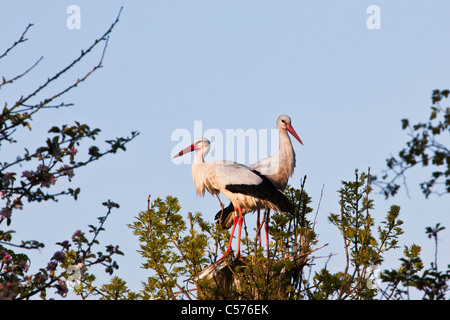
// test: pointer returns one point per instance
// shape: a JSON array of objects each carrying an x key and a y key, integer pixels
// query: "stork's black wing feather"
[{"x": 265, "y": 191}]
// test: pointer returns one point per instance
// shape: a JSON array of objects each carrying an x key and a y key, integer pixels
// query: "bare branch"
[
  {"x": 21, "y": 39},
  {"x": 28, "y": 107},
  {"x": 20, "y": 75},
  {"x": 104, "y": 37}
]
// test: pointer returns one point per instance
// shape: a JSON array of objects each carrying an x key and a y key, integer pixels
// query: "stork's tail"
[
  {"x": 225, "y": 217},
  {"x": 282, "y": 202}
]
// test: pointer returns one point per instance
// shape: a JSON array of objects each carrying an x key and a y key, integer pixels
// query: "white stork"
[
  {"x": 278, "y": 168},
  {"x": 247, "y": 189}
]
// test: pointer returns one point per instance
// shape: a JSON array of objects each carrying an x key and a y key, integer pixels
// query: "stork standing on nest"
[
  {"x": 278, "y": 168},
  {"x": 247, "y": 189}
]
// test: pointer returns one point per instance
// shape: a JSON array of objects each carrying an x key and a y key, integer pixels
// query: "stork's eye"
[{"x": 283, "y": 121}]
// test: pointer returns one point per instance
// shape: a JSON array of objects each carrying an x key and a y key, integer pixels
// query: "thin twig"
[
  {"x": 22, "y": 74},
  {"x": 21, "y": 39},
  {"x": 28, "y": 107},
  {"x": 104, "y": 37},
  {"x": 345, "y": 244},
  {"x": 318, "y": 206},
  {"x": 297, "y": 256}
]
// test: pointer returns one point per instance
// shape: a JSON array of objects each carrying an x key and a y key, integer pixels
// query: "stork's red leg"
[
  {"x": 239, "y": 234},
  {"x": 231, "y": 235},
  {"x": 267, "y": 230},
  {"x": 235, "y": 221},
  {"x": 257, "y": 228}
]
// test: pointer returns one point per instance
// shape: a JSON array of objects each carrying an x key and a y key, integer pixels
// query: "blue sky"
[{"x": 234, "y": 64}]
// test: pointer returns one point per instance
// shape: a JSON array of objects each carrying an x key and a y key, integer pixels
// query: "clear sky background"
[{"x": 233, "y": 64}]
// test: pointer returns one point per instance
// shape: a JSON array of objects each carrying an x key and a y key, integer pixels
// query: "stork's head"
[
  {"x": 284, "y": 123},
  {"x": 200, "y": 144}
]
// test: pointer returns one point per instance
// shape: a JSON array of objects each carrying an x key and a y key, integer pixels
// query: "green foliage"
[
  {"x": 294, "y": 234},
  {"x": 432, "y": 283},
  {"x": 177, "y": 254},
  {"x": 169, "y": 248},
  {"x": 178, "y": 251},
  {"x": 411, "y": 265},
  {"x": 426, "y": 147},
  {"x": 362, "y": 246},
  {"x": 116, "y": 290}
]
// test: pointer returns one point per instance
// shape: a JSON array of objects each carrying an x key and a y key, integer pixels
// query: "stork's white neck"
[
  {"x": 286, "y": 159},
  {"x": 284, "y": 138},
  {"x": 199, "y": 156},
  {"x": 286, "y": 149},
  {"x": 199, "y": 174}
]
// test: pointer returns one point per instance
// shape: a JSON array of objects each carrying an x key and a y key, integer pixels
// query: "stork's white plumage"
[
  {"x": 278, "y": 168},
  {"x": 247, "y": 189}
]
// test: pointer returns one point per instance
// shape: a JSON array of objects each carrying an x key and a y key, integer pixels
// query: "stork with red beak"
[
  {"x": 278, "y": 168},
  {"x": 247, "y": 189}
]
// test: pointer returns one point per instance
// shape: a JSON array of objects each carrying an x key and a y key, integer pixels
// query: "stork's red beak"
[
  {"x": 292, "y": 131},
  {"x": 185, "y": 150}
]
